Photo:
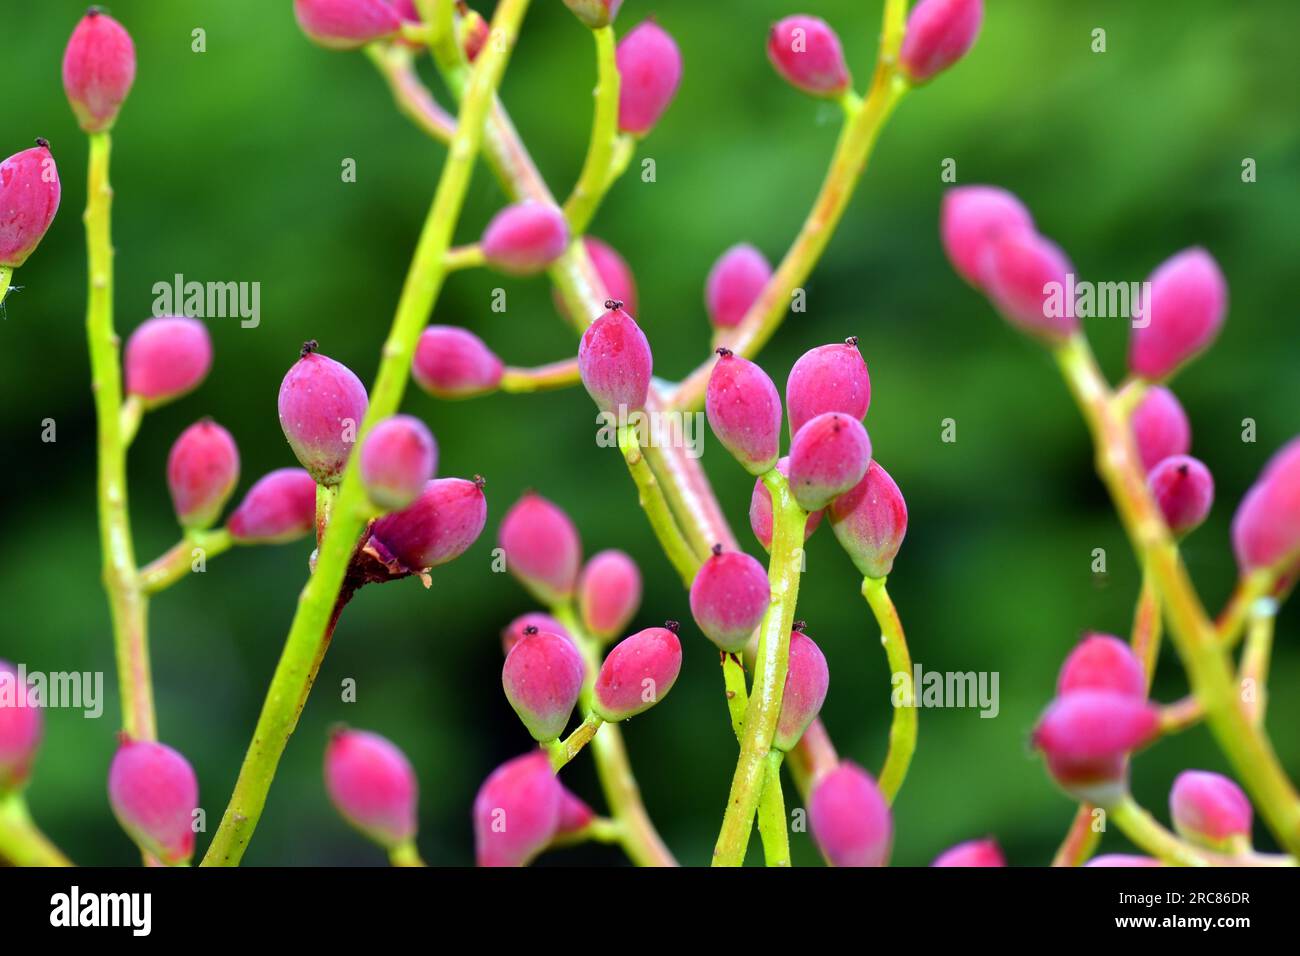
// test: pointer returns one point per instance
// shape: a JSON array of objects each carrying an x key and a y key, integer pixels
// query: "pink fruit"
[
  {"x": 346, "y": 24},
  {"x": 1209, "y": 809},
  {"x": 517, "y": 811},
  {"x": 1025, "y": 277},
  {"x": 1122, "y": 859},
  {"x": 542, "y": 676},
  {"x": 972, "y": 219},
  {"x": 514, "y": 631},
  {"x": 1160, "y": 427},
  {"x": 870, "y": 521},
  {"x": 1184, "y": 489},
  {"x": 734, "y": 284},
  {"x": 939, "y": 33},
  {"x": 153, "y": 792},
  {"x": 614, "y": 272},
  {"x": 372, "y": 784},
  {"x": 575, "y": 815},
  {"x": 609, "y": 593},
  {"x": 829, "y": 455},
  {"x": 829, "y": 378},
  {"x": 595, "y": 13},
  {"x": 202, "y": 471},
  {"x": 807, "y": 53},
  {"x": 1266, "y": 528},
  {"x": 452, "y": 362},
  {"x": 1182, "y": 314},
  {"x": 29, "y": 198},
  {"x": 972, "y": 853},
  {"x": 1102, "y": 662},
  {"x": 729, "y": 597},
  {"x": 322, "y": 404},
  {"x": 398, "y": 459},
  {"x": 638, "y": 673},
  {"x": 167, "y": 357},
  {"x": 20, "y": 730},
  {"x": 542, "y": 548},
  {"x": 760, "y": 510},
  {"x": 438, "y": 527},
  {"x": 98, "y": 70},
  {"x": 649, "y": 68},
  {"x": 280, "y": 507},
  {"x": 615, "y": 362},
  {"x": 849, "y": 818},
  {"x": 744, "y": 411},
  {"x": 1087, "y": 735},
  {"x": 806, "y": 681},
  {"x": 525, "y": 238}
]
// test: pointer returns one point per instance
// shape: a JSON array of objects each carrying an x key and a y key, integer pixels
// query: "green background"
[{"x": 227, "y": 167}]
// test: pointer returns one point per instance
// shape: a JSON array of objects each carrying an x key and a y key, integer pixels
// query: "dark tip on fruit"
[
  {"x": 852, "y": 340},
  {"x": 337, "y": 730},
  {"x": 1182, "y": 470},
  {"x": 717, "y": 550},
  {"x": 672, "y": 626},
  {"x": 723, "y": 351},
  {"x": 799, "y": 626},
  {"x": 123, "y": 738},
  {"x": 480, "y": 482},
  {"x": 530, "y": 630},
  {"x": 42, "y": 142},
  {"x": 613, "y": 304},
  {"x": 309, "y": 347},
  {"x": 95, "y": 11}
]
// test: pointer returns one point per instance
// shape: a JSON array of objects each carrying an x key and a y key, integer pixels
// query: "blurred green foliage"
[{"x": 227, "y": 167}]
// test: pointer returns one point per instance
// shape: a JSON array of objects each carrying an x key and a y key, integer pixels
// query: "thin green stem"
[
  {"x": 541, "y": 378},
  {"x": 771, "y": 813},
  {"x": 132, "y": 412},
  {"x": 6, "y": 279},
  {"x": 405, "y": 854},
  {"x": 1255, "y": 660},
  {"x": 179, "y": 560},
  {"x": 396, "y": 66},
  {"x": 595, "y": 177},
  {"x": 902, "y": 726},
  {"x": 1081, "y": 839},
  {"x": 655, "y": 505},
  {"x": 599, "y": 830},
  {"x": 464, "y": 257},
  {"x": 1147, "y": 834},
  {"x": 562, "y": 751},
  {"x": 733, "y": 682},
  {"x": 21, "y": 841},
  {"x": 1147, "y": 625}
]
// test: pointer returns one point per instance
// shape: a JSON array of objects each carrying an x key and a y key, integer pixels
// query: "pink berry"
[
  {"x": 438, "y": 527},
  {"x": 1266, "y": 528},
  {"x": 20, "y": 730},
  {"x": 972, "y": 853},
  {"x": 1182, "y": 314},
  {"x": 398, "y": 459},
  {"x": 98, "y": 70},
  {"x": 452, "y": 362},
  {"x": 1019, "y": 272},
  {"x": 806, "y": 681},
  {"x": 729, "y": 597},
  {"x": 525, "y": 238},
  {"x": 744, "y": 411},
  {"x": 615, "y": 362},
  {"x": 1210, "y": 809},
  {"x": 29, "y": 198},
  {"x": 734, "y": 284},
  {"x": 575, "y": 815},
  {"x": 514, "y": 631},
  {"x": 760, "y": 510},
  {"x": 1160, "y": 427},
  {"x": 849, "y": 818},
  {"x": 372, "y": 784},
  {"x": 638, "y": 673},
  {"x": 167, "y": 357},
  {"x": 280, "y": 507},
  {"x": 807, "y": 53},
  {"x": 542, "y": 548},
  {"x": 939, "y": 33},
  {"x": 972, "y": 219},
  {"x": 829, "y": 378},
  {"x": 1102, "y": 662},
  {"x": 649, "y": 68},
  {"x": 829, "y": 455},
  {"x": 1184, "y": 489},
  {"x": 202, "y": 471},
  {"x": 870, "y": 521},
  {"x": 614, "y": 272},
  {"x": 154, "y": 793},
  {"x": 322, "y": 404},
  {"x": 1123, "y": 859},
  {"x": 595, "y": 13},
  {"x": 474, "y": 33},
  {"x": 517, "y": 811},
  {"x": 1087, "y": 735},
  {"x": 542, "y": 676},
  {"x": 609, "y": 593},
  {"x": 346, "y": 24}
]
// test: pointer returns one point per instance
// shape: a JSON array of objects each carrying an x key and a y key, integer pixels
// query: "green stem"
[
  {"x": 132, "y": 413},
  {"x": 595, "y": 177},
  {"x": 1147, "y": 623},
  {"x": 6, "y": 279},
  {"x": 733, "y": 682},
  {"x": 902, "y": 726},
  {"x": 562, "y": 751},
  {"x": 655, "y": 505},
  {"x": 1147, "y": 834},
  {"x": 771, "y": 813},
  {"x": 395, "y": 64},
  {"x": 1080, "y": 841},
  {"x": 405, "y": 854},
  {"x": 541, "y": 378},
  {"x": 464, "y": 257},
  {"x": 178, "y": 561},
  {"x": 1255, "y": 658},
  {"x": 599, "y": 830},
  {"x": 21, "y": 841}
]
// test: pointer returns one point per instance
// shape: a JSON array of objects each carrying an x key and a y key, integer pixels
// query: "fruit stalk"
[
  {"x": 595, "y": 178},
  {"x": 21, "y": 842},
  {"x": 170, "y": 567},
  {"x": 902, "y": 726},
  {"x": 654, "y": 504}
]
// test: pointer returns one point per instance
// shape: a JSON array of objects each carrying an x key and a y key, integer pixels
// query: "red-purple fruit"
[
  {"x": 829, "y": 378},
  {"x": 280, "y": 507},
  {"x": 972, "y": 219},
  {"x": 870, "y": 521},
  {"x": 614, "y": 272},
  {"x": 29, "y": 198},
  {"x": 474, "y": 33},
  {"x": 939, "y": 32},
  {"x": 542, "y": 677},
  {"x": 514, "y": 631},
  {"x": 638, "y": 673},
  {"x": 1087, "y": 735},
  {"x": 850, "y": 819},
  {"x": 398, "y": 458},
  {"x": 615, "y": 362},
  {"x": 1123, "y": 859},
  {"x": 1102, "y": 662},
  {"x": 322, "y": 404},
  {"x": 1184, "y": 490},
  {"x": 828, "y": 456},
  {"x": 525, "y": 238},
  {"x": 98, "y": 70},
  {"x": 729, "y": 597},
  {"x": 760, "y": 510},
  {"x": 1209, "y": 809},
  {"x": 20, "y": 730},
  {"x": 649, "y": 69},
  {"x": 1266, "y": 528},
  {"x": 734, "y": 284},
  {"x": 595, "y": 13},
  {"x": 153, "y": 792},
  {"x": 542, "y": 548},
  {"x": 202, "y": 471},
  {"x": 744, "y": 411},
  {"x": 807, "y": 53},
  {"x": 346, "y": 24},
  {"x": 438, "y": 527},
  {"x": 451, "y": 362},
  {"x": 972, "y": 853},
  {"x": 1182, "y": 315},
  {"x": 1024, "y": 276},
  {"x": 609, "y": 593},
  {"x": 372, "y": 784},
  {"x": 806, "y": 681},
  {"x": 1160, "y": 427},
  {"x": 166, "y": 357},
  {"x": 517, "y": 811},
  {"x": 575, "y": 815}
]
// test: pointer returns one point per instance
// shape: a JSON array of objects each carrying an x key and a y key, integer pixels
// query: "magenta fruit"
[
  {"x": 280, "y": 507},
  {"x": 806, "y": 681},
  {"x": 1211, "y": 810},
  {"x": 609, "y": 593},
  {"x": 1018, "y": 270},
  {"x": 939, "y": 33},
  {"x": 638, "y": 673},
  {"x": 829, "y": 378},
  {"x": 595, "y": 13},
  {"x": 167, "y": 357},
  {"x": 1102, "y": 662},
  {"x": 760, "y": 510},
  {"x": 398, "y": 458},
  {"x": 1123, "y": 859},
  {"x": 829, "y": 455},
  {"x": 525, "y": 238},
  {"x": 849, "y": 818},
  {"x": 729, "y": 597},
  {"x": 972, "y": 853},
  {"x": 371, "y": 783},
  {"x": 1160, "y": 427},
  {"x": 542, "y": 548},
  {"x": 20, "y": 730},
  {"x": 438, "y": 527},
  {"x": 98, "y": 70},
  {"x": 346, "y": 24},
  {"x": 452, "y": 362},
  {"x": 744, "y": 411},
  {"x": 575, "y": 815},
  {"x": 153, "y": 792},
  {"x": 1087, "y": 735},
  {"x": 870, "y": 521},
  {"x": 517, "y": 811},
  {"x": 734, "y": 284},
  {"x": 29, "y": 198},
  {"x": 514, "y": 631},
  {"x": 202, "y": 471},
  {"x": 615, "y": 362},
  {"x": 542, "y": 676},
  {"x": 1182, "y": 315},
  {"x": 649, "y": 69},
  {"x": 972, "y": 219},
  {"x": 322, "y": 404},
  {"x": 614, "y": 272},
  {"x": 807, "y": 54},
  {"x": 1266, "y": 527},
  {"x": 1184, "y": 489}
]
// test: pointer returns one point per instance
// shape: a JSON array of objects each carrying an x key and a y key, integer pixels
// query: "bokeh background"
[{"x": 227, "y": 167}]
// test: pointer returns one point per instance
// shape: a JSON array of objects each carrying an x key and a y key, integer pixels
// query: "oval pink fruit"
[
  {"x": 166, "y": 357},
  {"x": 542, "y": 676},
  {"x": 1102, "y": 662},
  {"x": 806, "y": 681},
  {"x": 280, "y": 507},
  {"x": 829, "y": 378},
  {"x": 1025, "y": 277},
  {"x": 870, "y": 522},
  {"x": 615, "y": 361},
  {"x": 1160, "y": 427},
  {"x": 29, "y": 198},
  {"x": 98, "y": 70},
  {"x": 517, "y": 811},
  {"x": 1184, "y": 491},
  {"x": 637, "y": 673},
  {"x": 744, "y": 411},
  {"x": 20, "y": 730},
  {"x": 1266, "y": 527},
  {"x": 542, "y": 548},
  {"x": 372, "y": 784},
  {"x": 1182, "y": 315},
  {"x": 807, "y": 53},
  {"x": 609, "y": 593},
  {"x": 939, "y": 33},
  {"x": 649, "y": 68},
  {"x": 1210, "y": 809},
  {"x": 439, "y": 526},
  {"x": 734, "y": 284},
  {"x": 850, "y": 819},
  {"x": 729, "y": 597},
  {"x": 398, "y": 458},
  {"x": 972, "y": 219},
  {"x": 322, "y": 404},
  {"x": 513, "y": 632},
  {"x": 829, "y": 455},
  {"x": 153, "y": 792},
  {"x": 1087, "y": 735},
  {"x": 346, "y": 24},
  {"x": 452, "y": 362},
  {"x": 972, "y": 853},
  {"x": 525, "y": 238},
  {"x": 202, "y": 471},
  {"x": 760, "y": 510}
]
